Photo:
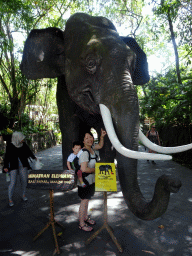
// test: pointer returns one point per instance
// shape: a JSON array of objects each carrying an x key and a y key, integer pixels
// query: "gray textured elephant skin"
[{"x": 94, "y": 65}]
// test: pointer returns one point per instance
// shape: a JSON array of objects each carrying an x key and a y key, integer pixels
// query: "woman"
[
  {"x": 153, "y": 136},
  {"x": 16, "y": 160},
  {"x": 88, "y": 168}
]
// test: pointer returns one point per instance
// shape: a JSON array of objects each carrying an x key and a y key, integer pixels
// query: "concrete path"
[{"x": 19, "y": 224}]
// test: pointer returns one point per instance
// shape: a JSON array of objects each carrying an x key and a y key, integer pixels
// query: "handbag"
[{"x": 35, "y": 164}]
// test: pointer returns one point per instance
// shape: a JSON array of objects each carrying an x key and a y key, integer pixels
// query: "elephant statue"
[
  {"x": 96, "y": 70},
  {"x": 105, "y": 169}
]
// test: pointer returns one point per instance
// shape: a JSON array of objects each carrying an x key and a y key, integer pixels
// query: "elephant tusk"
[
  {"x": 157, "y": 148},
  {"x": 107, "y": 120}
]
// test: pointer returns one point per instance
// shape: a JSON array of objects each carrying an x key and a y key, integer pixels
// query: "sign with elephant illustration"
[{"x": 105, "y": 177}]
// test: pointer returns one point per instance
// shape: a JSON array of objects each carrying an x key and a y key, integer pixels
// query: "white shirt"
[
  {"x": 84, "y": 157},
  {"x": 72, "y": 156}
]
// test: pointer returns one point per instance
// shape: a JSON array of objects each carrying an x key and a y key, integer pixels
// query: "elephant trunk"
[
  {"x": 126, "y": 125},
  {"x": 138, "y": 205}
]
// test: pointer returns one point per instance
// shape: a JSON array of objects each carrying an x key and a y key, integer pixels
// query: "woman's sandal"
[
  {"x": 85, "y": 228},
  {"x": 89, "y": 221}
]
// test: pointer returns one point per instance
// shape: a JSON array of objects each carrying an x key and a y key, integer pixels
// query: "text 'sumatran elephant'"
[{"x": 97, "y": 70}]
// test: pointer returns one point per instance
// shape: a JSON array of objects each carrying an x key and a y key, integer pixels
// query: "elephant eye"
[{"x": 91, "y": 64}]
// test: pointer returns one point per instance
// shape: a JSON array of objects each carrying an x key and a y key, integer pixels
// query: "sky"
[{"x": 157, "y": 62}]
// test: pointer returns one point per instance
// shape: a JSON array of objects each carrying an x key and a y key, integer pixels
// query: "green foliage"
[
  {"x": 167, "y": 101},
  {"x": 166, "y": 6},
  {"x": 26, "y": 130},
  {"x": 2, "y": 152},
  {"x": 163, "y": 98},
  {"x": 4, "y": 109},
  {"x": 58, "y": 137}
]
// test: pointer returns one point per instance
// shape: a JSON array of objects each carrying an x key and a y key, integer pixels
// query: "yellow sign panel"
[{"x": 105, "y": 177}]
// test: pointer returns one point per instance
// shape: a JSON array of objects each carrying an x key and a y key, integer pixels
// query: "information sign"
[
  {"x": 105, "y": 177},
  {"x": 48, "y": 179}
]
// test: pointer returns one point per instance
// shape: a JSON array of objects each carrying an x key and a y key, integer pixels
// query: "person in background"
[
  {"x": 87, "y": 162},
  {"x": 16, "y": 161},
  {"x": 70, "y": 164},
  {"x": 153, "y": 136}
]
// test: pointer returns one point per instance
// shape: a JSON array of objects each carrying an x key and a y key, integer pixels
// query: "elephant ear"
[
  {"x": 43, "y": 55},
  {"x": 140, "y": 73}
]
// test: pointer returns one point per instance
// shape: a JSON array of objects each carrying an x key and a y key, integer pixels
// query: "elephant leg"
[{"x": 69, "y": 122}]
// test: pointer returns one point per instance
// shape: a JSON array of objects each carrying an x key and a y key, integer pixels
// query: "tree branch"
[
  {"x": 5, "y": 86},
  {"x": 41, "y": 16}
]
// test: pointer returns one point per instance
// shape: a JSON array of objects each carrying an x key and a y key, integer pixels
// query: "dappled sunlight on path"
[
  {"x": 51, "y": 158},
  {"x": 169, "y": 235}
]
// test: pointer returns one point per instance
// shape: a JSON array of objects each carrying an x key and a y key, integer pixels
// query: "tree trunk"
[
  {"x": 174, "y": 46},
  {"x": 15, "y": 103}
]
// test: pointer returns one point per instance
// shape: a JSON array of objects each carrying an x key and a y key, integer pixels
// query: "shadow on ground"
[{"x": 170, "y": 235}]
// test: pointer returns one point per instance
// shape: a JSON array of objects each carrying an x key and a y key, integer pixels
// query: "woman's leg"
[
  {"x": 23, "y": 172},
  {"x": 13, "y": 178},
  {"x": 86, "y": 210},
  {"x": 83, "y": 211},
  {"x": 82, "y": 215},
  {"x": 151, "y": 151},
  {"x": 86, "y": 217}
]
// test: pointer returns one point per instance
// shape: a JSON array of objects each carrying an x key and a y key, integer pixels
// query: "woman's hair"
[
  {"x": 83, "y": 135},
  {"x": 90, "y": 133}
]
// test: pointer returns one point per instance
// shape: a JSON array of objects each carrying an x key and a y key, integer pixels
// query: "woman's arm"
[
  {"x": 101, "y": 142},
  {"x": 85, "y": 168},
  {"x": 29, "y": 152}
]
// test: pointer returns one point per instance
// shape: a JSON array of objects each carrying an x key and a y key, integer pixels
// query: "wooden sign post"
[
  {"x": 51, "y": 180},
  {"x": 105, "y": 180}
]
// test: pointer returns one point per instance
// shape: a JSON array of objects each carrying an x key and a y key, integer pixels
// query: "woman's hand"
[
  {"x": 6, "y": 170},
  {"x": 103, "y": 133},
  {"x": 101, "y": 142}
]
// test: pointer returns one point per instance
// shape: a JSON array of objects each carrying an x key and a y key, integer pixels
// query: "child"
[{"x": 70, "y": 164}]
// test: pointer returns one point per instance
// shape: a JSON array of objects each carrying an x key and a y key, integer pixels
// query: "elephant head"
[{"x": 96, "y": 71}]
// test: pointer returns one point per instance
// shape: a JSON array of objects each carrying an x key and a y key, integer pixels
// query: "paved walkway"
[{"x": 18, "y": 225}]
